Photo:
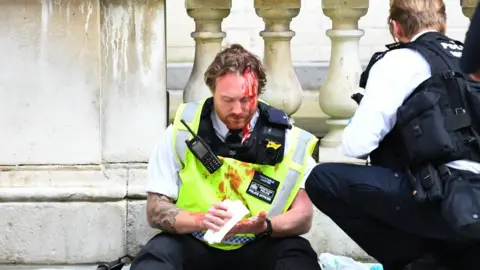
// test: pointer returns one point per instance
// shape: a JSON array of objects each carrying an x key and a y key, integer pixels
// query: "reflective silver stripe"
[
  {"x": 234, "y": 240},
  {"x": 188, "y": 114},
  {"x": 288, "y": 184}
]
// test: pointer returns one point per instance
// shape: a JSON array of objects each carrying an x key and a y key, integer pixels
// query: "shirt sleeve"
[
  {"x": 163, "y": 167},
  {"x": 391, "y": 80}
]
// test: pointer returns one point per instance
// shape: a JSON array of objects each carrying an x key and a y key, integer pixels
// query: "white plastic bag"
[{"x": 336, "y": 262}]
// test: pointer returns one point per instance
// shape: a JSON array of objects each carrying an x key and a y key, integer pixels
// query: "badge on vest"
[{"x": 263, "y": 187}]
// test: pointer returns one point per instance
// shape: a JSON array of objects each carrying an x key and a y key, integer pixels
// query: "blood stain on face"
[{"x": 250, "y": 91}]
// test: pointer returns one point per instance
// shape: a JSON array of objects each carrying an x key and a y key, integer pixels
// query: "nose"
[{"x": 237, "y": 108}]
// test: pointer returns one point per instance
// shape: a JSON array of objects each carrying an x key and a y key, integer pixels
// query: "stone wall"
[{"x": 82, "y": 100}]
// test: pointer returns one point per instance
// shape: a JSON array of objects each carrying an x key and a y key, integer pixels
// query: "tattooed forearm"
[{"x": 162, "y": 213}]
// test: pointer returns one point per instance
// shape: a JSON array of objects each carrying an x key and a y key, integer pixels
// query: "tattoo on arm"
[{"x": 162, "y": 213}]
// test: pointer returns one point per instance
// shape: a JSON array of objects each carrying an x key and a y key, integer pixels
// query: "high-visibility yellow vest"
[{"x": 199, "y": 189}]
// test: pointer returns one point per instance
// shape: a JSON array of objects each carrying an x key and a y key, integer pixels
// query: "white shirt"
[
  {"x": 391, "y": 80},
  {"x": 163, "y": 166}
]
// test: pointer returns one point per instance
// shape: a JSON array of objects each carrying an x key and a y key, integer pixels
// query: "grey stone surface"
[
  {"x": 137, "y": 178},
  {"x": 55, "y": 233},
  {"x": 326, "y": 236},
  {"x": 138, "y": 231}
]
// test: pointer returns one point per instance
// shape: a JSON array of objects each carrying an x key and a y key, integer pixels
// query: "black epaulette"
[
  {"x": 395, "y": 45},
  {"x": 278, "y": 118}
]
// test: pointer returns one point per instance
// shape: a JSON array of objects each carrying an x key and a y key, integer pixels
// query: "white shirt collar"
[{"x": 421, "y": 33}]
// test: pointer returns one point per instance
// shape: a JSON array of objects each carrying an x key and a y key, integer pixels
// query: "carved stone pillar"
[
  {"x": 283, "y": 89},
  {"x": 468, "y": 7},
  {"x": 344, "y": 70},
  {"x": 208, "y": 36}
]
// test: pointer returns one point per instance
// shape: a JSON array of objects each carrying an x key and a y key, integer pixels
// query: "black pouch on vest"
[
  {"x": 430, "y": 185},
  {"x": 461, "y": 206},
  {"x": 423, "y": 129}
]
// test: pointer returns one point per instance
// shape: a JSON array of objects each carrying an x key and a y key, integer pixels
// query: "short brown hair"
[
  {"x": 414, "y": 15},
  {"x": 235, "y": 59}
]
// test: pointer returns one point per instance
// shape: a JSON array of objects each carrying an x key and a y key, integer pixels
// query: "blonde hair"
[{"x": 415, "y": 15}]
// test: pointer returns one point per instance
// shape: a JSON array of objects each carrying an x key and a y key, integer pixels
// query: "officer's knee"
[
  {"x": 162, "y": 251},
  {"x": 322, "y": 179},
  {"x": 164, "y": 244}
]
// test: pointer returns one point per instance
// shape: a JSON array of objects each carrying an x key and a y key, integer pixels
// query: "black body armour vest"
[
  {"x": 439, "y": 121},
  {"x": 270, "y": 127}
]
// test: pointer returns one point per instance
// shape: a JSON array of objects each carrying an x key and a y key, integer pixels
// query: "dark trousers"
[
  {"x": 375, "y": 207},
  {"x": 184, "y": 252}
]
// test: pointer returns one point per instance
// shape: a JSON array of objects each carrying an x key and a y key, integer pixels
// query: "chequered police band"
[{"x": 235, "y": 240}]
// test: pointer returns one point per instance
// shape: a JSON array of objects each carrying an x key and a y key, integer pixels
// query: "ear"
[{"x": 397, "y": 30}]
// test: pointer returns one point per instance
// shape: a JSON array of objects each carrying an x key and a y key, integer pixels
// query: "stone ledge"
[{"x": 112, "y": 182}]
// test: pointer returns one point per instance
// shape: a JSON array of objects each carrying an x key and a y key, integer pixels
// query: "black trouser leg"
[
  {"x": 375, "y": 207},
  {"x": 294, "y": 253},
  {"x": 276, "y": 254},
  {"x": 174, "y": 252}
]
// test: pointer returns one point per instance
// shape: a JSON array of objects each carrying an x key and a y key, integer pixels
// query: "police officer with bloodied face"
[
  {"x": 225, "y": 149},
  {"x": 417, "y": 206}
]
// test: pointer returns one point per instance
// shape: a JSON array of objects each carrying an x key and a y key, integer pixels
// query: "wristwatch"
[{"x": 268, "y": 231}]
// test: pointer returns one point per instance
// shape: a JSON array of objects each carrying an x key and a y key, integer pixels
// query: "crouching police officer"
[
  {"x": 230, "y": 146},
  {"x": 418, "y": 205}
]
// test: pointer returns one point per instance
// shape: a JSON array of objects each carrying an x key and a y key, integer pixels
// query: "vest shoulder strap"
[
  {"x": 375, "y": 58},
  {"x": 442, "y": 53},
  {"x": 190, "y": 113}
]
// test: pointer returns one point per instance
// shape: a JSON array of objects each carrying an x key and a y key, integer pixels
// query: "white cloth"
[
  {"x": 163, "y": 166},
  {"x": 391, "y": 80}
]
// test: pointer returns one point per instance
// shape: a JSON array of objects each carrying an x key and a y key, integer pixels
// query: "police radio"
[{"x": 202, "y": 151}]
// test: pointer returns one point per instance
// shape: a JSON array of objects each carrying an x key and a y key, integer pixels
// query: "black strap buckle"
[
  {"x": 449, "y": 74},
  {"x": 444, "y": 171},
  {"x": 460, "y": 111},
  {"x": 116, "y": 264}
]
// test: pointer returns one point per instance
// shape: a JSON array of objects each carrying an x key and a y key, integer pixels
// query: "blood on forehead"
[
  {"x": 251, "y": 83},
  {"x": 250, "y": 91}
]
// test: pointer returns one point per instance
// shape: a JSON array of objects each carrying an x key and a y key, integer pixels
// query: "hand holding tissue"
[{"x": 237, "y": 211}]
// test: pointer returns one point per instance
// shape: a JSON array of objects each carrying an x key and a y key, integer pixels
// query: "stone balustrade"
[
  {"x": 83, "y": 101},
  {"x": 284, "y": 90}
]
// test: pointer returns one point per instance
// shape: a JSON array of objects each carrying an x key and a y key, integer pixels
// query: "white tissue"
[{"x": 238, "y": 211}]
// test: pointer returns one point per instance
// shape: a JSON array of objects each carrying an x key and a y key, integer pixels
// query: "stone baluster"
[
  {"x": 283, "y": 88},
  {"x": 208, "y": 36},
  {"x": 468, "y": 7},
  {"x": 344, "y": 71}
]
